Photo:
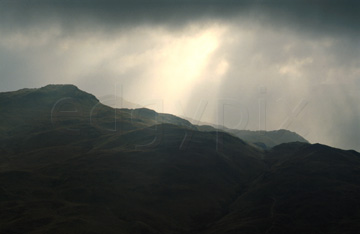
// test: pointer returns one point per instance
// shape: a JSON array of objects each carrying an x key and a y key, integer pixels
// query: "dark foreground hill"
[{"x": 69, "y": 164}]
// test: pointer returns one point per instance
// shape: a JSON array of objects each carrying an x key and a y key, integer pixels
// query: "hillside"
[
  {"x": 69, "y": 164},
  {"x": 268, "y": 139},
  {"x": 262, "y": 139}
]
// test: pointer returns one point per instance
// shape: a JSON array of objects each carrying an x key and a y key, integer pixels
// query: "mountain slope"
[
  {"x": 262, "y": 139},
  {"x": 89, "y": 168},
  {"x": 268, "y": 139},
  {"x": 139, "y": 176},
  {"x": 307, "y": 189}
]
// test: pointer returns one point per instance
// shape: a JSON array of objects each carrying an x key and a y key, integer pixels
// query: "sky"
[{"x": 255, "y": 65}]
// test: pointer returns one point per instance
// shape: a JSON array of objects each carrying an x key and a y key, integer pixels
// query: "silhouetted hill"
[
  {"x": 262, "y": 139},
  {"x": 63, "y": 114},
  {"x": 28, "y": 109},
  {"x": 44, "y": 97},
  {"x": 69, "y": 164},
  {"x": 307, "y": 189},
  {"x": 268, "y": 139}
]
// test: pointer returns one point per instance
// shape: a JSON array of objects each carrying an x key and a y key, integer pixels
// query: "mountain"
[
  {"x": 268, "y": 139},
  {"x": 29, "y": 116},
  {"x": 69, "y": 164},
  {"x": 262, "y": 139},
  {"x": 306, "y": 189}
]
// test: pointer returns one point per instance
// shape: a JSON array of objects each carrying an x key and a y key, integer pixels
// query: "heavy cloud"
[{"x": 268, "y": 64}]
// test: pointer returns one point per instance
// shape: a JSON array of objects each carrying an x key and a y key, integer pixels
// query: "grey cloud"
[
  {"x": 316, "y": 16},
  {"x": 318, "y": 38}
]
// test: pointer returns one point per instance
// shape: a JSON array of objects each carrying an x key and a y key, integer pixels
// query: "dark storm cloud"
[{"x": 319, "y": 15}]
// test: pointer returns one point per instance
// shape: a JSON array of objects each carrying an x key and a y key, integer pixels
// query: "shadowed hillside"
[
  {"x": 69, "y": 164},
  {"x": 268, "y": 139},
  {"x": 262, "y": 139}
]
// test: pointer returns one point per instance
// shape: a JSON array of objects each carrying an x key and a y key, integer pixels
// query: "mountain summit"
[{"x": 45, "y": 96}]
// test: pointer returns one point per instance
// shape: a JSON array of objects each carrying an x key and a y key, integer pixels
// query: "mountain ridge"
[{"x": 69, "y": 98}]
